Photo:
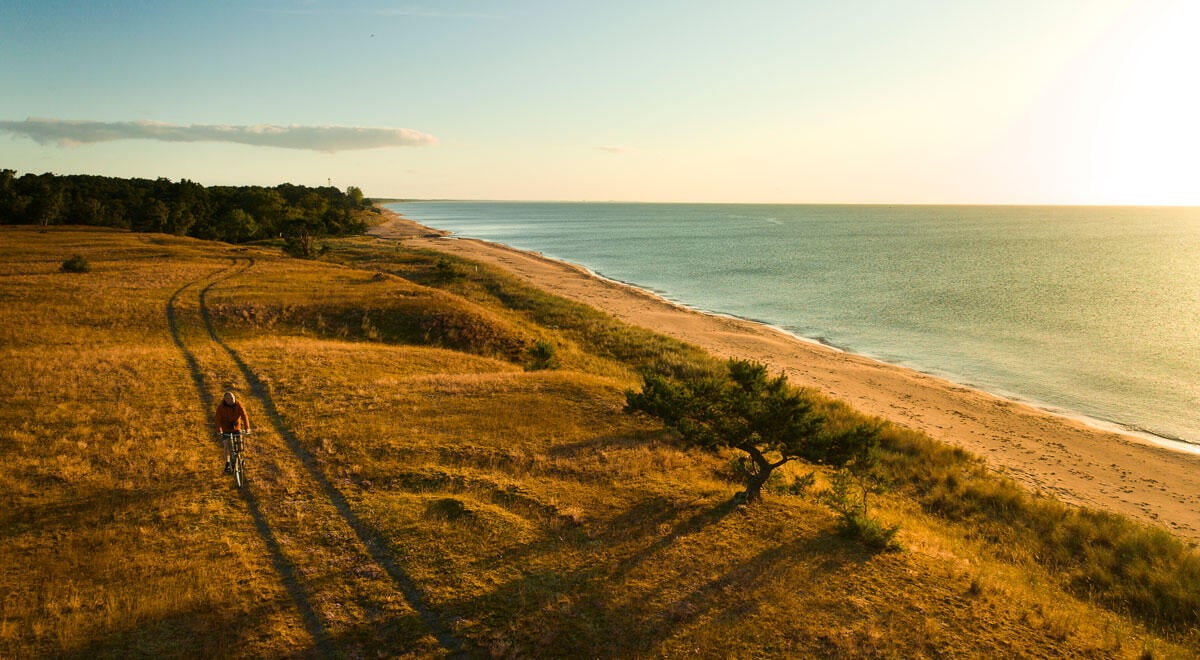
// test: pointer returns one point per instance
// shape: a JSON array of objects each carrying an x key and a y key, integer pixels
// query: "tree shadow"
[
  {"x": 84, "y": 509},
  {"x": 586, "y": 628},
  {"x": 585, "y": 612},
  {"x": 374, "y": 542},
  {"x": 830, "y": 552},
  {"x": 200, "y": 631},
  {"x": 637, "y": 439},
  {"x": 283, "y": 566},
  {"x": 703, "y": 518}
]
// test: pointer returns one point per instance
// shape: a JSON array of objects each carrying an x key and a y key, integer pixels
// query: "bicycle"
[{"x": 237, "y": 460}]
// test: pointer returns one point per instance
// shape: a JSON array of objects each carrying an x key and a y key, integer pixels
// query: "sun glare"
[
  {"x": 1148, "y": 134},
  {"x": 1118, "y": 123}
]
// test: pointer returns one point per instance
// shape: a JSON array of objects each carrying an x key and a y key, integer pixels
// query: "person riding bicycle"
[{"x": 231, "y": 418}]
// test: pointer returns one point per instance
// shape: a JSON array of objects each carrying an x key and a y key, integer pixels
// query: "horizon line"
[{"x": 407, "y": 200}]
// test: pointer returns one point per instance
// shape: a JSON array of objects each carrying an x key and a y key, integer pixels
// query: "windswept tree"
[
  {"x": 745, "y": 409},
  {"x": 773, "y": 423}
]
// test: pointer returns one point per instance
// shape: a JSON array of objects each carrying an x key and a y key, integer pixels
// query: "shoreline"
[
  {"x": 1165, "y": 442},
  {"x": 1072, "y": 457}
]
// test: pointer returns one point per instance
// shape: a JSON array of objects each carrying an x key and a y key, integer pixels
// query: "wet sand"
[{"x": 1068, "y": 458}]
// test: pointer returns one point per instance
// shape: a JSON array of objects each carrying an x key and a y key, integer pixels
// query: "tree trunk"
[
  {"x": 754, "y": 486},
  {"x": 762, "y": 472}
]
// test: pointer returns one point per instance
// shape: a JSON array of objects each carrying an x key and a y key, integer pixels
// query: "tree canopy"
[
  {"x": 226, "y": 213},
  {"x": 742, "y": 408}
]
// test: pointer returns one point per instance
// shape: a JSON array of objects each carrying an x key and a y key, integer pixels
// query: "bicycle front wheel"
[{"x": 239, "y": 467}]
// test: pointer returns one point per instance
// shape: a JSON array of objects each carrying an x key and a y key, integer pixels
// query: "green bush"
[
  {"x": 541, "y": 356},
  {"x": 848, "y": 497},
  {"x": 870, "y": 532},
  {"x": 304, "y": 246},
  {"x": 446, "y": 270},
  {"x": 76, "y": 264}
]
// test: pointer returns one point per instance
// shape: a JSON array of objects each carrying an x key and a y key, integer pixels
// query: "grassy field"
[{"x": 421, "y": 484}]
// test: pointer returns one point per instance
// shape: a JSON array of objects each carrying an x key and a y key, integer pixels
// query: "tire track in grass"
[
  {"x": 283, "y": 566},
  {"x": 370, "y": 539}
]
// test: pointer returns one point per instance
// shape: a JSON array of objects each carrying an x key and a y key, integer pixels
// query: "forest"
[{"x": 234, "y": 214}]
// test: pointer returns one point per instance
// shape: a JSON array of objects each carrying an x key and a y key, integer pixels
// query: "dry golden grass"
[
  {"x": 417, "y": 494},
  {"x": 116, "y": 537}
]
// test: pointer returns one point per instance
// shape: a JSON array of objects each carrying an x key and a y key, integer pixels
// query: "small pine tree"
[
  {"x": 858, "y": 454},
  {"x": 744, "y": 409}
]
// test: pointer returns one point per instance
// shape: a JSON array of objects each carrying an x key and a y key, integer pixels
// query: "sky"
[{"x": 751, "y": 101}]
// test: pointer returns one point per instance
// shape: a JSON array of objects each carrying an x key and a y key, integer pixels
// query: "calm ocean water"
[{"x": 1092, "y": 311}]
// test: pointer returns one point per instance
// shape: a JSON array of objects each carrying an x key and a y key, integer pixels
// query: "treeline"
[{"x": 225, "y": 213}]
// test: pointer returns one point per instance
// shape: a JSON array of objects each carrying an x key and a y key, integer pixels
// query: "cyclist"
[{"x": 231, "y": 418}]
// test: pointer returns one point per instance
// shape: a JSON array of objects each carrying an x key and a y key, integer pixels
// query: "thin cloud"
[
  {"x": 434, "y": 13},
  {"x": 318, "y": 9},
  {"x": 329, "y": 139},
  {"x": 612, "y": 149}
]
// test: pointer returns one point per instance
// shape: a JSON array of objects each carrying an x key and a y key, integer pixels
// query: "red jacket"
[{"x": 231, "y": 418}]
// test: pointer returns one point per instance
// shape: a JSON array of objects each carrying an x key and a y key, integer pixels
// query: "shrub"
[
  {"x": 541, "y": 356},
  {"x": 447, "y": 508},
  {"x": 76, "y": 264},
  {"x": 854, "y": 521},
  {"x": 799, "y": 486},
  {"x": 304, "y": 246},
  {"x": 445, "y": 270},
  {"x": 870, "y": 532}
]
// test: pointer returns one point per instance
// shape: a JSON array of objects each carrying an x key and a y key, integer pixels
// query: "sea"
[{"x": 1091, "y": 312}]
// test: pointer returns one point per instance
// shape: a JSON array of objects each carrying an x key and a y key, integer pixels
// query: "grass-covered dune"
[{"x": 441, "y": 465}]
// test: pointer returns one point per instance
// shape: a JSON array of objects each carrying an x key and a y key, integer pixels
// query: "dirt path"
[
  {"x": 337, "y": 570},
  {"x": 1076, "y": 462}
]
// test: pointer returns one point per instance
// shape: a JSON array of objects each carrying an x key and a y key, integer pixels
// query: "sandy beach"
[{"x": 1074, "y": 461}]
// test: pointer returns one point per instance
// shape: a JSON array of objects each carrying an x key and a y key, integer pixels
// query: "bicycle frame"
[{"x": 236, "y": 458}]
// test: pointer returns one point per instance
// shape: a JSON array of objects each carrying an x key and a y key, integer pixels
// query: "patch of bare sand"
[
  {"x": 397, "y": 226},
  {"x": 1068, "y": 458}
]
